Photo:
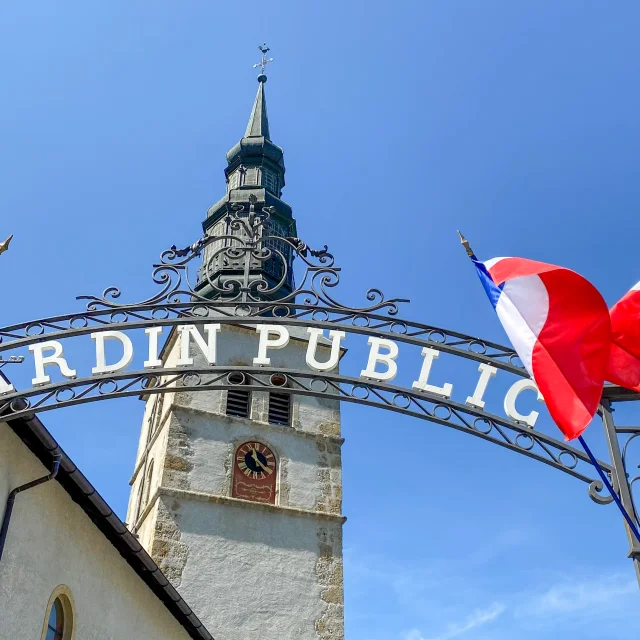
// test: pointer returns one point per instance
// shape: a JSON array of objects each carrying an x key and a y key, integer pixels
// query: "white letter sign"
[
  {"x": 510, "y": 402},
  {"x": 208, "y": 348},
  {"x": 387, "y": 359},
  {"x": 153, "y": 361},
  {"x": 332, "y": 362},
  {"x": 486, "y": 373},
  {"x": 423, "y": 382},
  {"x": 101, "y": 359},
  {"x": 41, "y": 361},
  {"x": 5, "y": 386},
  {"x": 267, "y": 342}
]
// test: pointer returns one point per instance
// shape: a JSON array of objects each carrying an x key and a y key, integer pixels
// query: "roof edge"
[{"x": 43, "y": 445}]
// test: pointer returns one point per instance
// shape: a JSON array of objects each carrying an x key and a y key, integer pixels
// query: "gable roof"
[{"x": 43, "y": 445}]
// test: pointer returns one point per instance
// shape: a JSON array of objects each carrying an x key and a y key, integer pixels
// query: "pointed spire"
[{"x": 259, "y": 122}]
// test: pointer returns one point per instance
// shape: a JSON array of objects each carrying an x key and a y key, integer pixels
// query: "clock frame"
[{"x": 254, "y": 472}]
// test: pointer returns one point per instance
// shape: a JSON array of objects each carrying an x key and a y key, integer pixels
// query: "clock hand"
[{"x": 254, "y": 455}]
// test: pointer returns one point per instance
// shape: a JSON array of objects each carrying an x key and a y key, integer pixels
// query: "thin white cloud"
[
  {"x": 580, "y": 597},
  {"x": 478, "y": 618}
]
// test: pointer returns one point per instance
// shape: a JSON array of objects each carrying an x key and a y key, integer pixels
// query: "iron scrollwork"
[
  {"x": 631, "y": 478},
  {"x": 246, "y": 244},
  {"x": 426, "y": 406},
  {"x": 245, "y": 247}
]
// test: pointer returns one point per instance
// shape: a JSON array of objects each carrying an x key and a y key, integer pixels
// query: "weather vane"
[{"x": 265, "y": 61}]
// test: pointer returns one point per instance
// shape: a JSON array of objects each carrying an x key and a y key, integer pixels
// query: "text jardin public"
[{"x": 381, "y": 364}]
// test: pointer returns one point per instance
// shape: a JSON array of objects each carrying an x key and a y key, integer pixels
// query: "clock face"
[{"x": 255, "y": 460}]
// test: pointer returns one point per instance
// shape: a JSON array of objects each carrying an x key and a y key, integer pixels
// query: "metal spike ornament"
[
  {"x": 4, "y": 246},
  {"x": 465, "y": 244}
]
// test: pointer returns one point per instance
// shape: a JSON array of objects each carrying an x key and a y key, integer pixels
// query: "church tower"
[{"x": 237, "y": 495}]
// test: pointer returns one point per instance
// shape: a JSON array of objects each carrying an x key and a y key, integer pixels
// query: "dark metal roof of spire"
[
  {"x": 259, "y": 122},
  {"x": 256, "y": 142}
]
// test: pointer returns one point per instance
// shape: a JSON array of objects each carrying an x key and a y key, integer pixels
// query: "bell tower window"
[
  {"x": 279, "y": 403},
  {"x": 234, "y": 180},
  {"x": 251, "y": 176},
  {"x": 270, "y": 181},
  {"x": 238, "y": 399}
]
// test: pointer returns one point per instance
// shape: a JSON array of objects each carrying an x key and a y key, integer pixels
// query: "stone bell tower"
[{"x": 237, "y": 494}]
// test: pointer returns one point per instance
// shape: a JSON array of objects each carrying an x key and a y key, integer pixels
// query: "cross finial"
[{"x": 264, "y": 61}]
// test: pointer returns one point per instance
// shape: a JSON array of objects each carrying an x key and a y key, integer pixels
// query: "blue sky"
[{"x": 401, "y": 122}]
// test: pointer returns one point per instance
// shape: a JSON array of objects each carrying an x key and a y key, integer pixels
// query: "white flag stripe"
[{"x": 523, "y": 308}]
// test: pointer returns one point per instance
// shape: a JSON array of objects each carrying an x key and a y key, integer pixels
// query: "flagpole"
[
  {"x": 614, "y": 495},
  {"x": 621, "y": 478},
  {"x": 623, "y": 500}
]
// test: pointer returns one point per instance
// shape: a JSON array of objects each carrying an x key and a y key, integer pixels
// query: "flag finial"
[
  {"x": 465, "y": 244},
  {"x": 4, "y": 246}
]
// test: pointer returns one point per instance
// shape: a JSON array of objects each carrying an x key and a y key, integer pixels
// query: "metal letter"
[
  {"x": 208, "y": 348},
  {"x": 41, "y": 361},
  {"x": 153, "y": 361},
  {"x": 266, "y": 342},
  {"x": 387, "y": 359},
  {"x": 332, "y": 362},
  {"x": 510, "y": 402},
  {"x": 5, "y": 386},
  {"x": 423, "y": 381},
  {"x": 101, "y": 359},
  {"x": 486, "y": 373}
]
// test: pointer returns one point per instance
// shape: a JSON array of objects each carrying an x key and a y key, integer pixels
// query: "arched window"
[
  {"x": 58, "y": 624},
  {"x": 55, "y": 624}
]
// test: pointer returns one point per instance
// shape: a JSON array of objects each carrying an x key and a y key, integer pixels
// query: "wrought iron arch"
[
  {"x": 419, "y": 404},
  {"x": 259, "y": 291}
]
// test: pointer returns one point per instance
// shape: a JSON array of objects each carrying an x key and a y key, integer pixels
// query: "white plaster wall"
[
  {"x": 213, "y": 438},
  {"x": 51, "y": 541},
  {"x": 156, "y": 455},
  {"x": 237, "y": 346},
  {"x": 251, "y": 574}
]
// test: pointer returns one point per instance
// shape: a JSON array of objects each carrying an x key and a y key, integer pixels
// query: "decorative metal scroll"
[
  {"x": 630, "y": 446},
  {"x": 247, "y": 245},
  {"x": 258, "y": 286},
  {"x": 426, "y": 406}
]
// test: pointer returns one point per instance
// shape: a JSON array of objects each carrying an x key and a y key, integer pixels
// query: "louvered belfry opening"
[
  {"x": 279, "y": 403},
  {"x": 238, "y": 399}
]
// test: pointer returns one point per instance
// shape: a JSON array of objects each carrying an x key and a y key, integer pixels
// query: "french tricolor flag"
[
  {"x": 624, "y": 363},
  {"x": 559, "y": 325}
]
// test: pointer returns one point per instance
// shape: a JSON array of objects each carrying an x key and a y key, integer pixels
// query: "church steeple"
[
  {"x": 256, "y": 160},
  {"x": 259, "y": 122},
  {"x": 255, "y": 178},
  {"x": 273, "y": 541}
]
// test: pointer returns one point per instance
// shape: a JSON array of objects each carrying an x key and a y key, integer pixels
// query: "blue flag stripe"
[{"x": 493, "y": 292}]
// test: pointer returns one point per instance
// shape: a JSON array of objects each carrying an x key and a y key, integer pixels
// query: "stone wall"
[{"x": 249, "y": 570}]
